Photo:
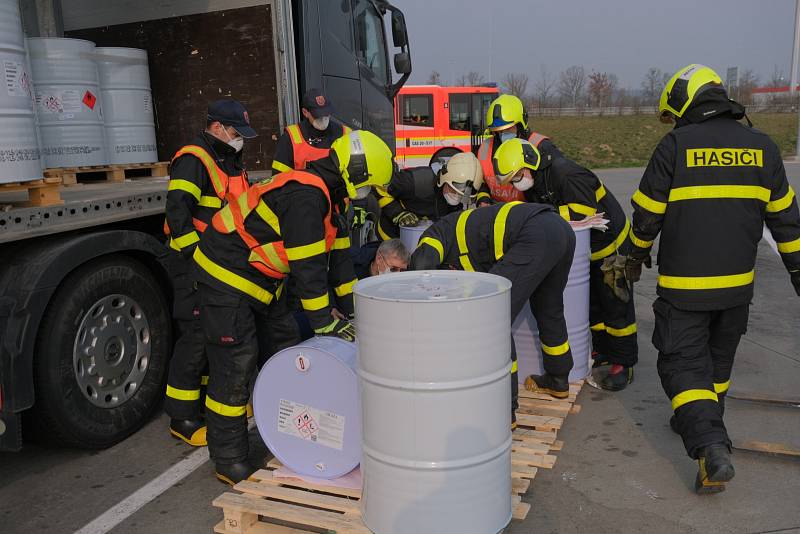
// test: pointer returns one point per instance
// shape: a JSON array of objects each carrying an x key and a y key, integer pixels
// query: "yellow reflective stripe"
[
  {"x": 227, "y": 219},
  {"x": 706, "y": 282},
  {"x": 719, "y": 191},
  {"x": 295, "y": 134},
  {"x": 648, "y": 203},
  {"x": 269, "y": 251},
  {"x": 344, "y": 289},
  {"x": 186, "y": 240},
  {"x": 564, "y": 212},
  {"x": 184, "y": 185},
  {"x": 461, "y": 239},
  {"x": 435, "y": 244},
  {"x": 514, "y": 366},
  {"x": 341, "y": 243},
  {"x": 621, "y": 332},
  {"x": 692, "y": 395},
  {"x": 224, "y": 409},
  {"x": 204, "y": 380},
  {"x": 317, "y": 303},
  {"x": 183, "y": 394},
  {"x": 500, "y": 228},
  {"x": 306, "y": 251},
  {"x": 599, "y": 327},
  {"x": 583, "y": 209},
  {"x": 232, "y": 279},
  {"x": 268, "y": 216},
  {"x": 721, "y": 387},
  {"x": 482, "y": 195},
  {"x": 789, "y": 247},
  {"x": 210, "y": 202},
  {"x": 600, "y": 192},
  {"x": 382, "y": 233},
  {"x": 280, "y": 167},
  {"x": 641, "y": 243},
  {"x": 612, "y": 247},
  {"x": 384, "y": 200},
  {"x": 782, "y": 203},
  {"x": 209, "y": 164},
  {"x": 557, "y": 350}
]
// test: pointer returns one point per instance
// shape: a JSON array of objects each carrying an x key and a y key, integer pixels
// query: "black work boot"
[
  {"x": 192, "y": 431},
  {"x": 715, "y": 469},
  {"x": 555, "y": 386},
  {"x": 617, "y": 378},
  {"x": 599, "y": 360},
  {"x": 234, "y": 473}
]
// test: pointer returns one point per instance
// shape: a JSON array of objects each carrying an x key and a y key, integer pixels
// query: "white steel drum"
[
  {"x": 434, "y": 367},
  {"x": 20, "y": 157},
  {"x": 68, "y": 102},
  {"x": 410, "y": 235},
  {"x": 127, "y": 105},
  {"x": 307, "y": 407},
  {"x": 576, "y": 312}
]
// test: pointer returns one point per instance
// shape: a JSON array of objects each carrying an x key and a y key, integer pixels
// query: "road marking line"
[{"x": 149, "y": 492}]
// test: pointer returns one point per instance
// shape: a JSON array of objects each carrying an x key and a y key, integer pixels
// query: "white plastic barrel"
[
  {"x": 307, "y": 407},
  {"x": 410, "y": 235},
  {"x": 20, "y": 157},
  {"x": 68, "y": 102},
  {"x": 434, "y": 366},
  {"x": 127, "y": 105},
  {"x": 576, "y": 312}
]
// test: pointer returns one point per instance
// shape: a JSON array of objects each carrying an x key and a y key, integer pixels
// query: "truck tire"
[{"x": 102, "y": 355}]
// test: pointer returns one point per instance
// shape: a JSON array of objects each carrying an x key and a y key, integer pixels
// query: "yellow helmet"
[
  {"x": 363, "y": 160},
  {"x": 505, "y": 111},
  {"x": 461, "y": 170},
  {"x": 684, "y": 87},
  {"x": 512, "y": 156}
]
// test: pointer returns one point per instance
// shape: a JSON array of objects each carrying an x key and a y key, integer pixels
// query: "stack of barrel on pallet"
[{"x": 68, "y": 105}]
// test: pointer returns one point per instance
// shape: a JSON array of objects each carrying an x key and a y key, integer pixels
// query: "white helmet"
[{"x": 460, "y": 171}]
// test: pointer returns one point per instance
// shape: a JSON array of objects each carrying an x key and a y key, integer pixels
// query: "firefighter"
[
  {"x": 578, "y": 193},
  {"x": 203, "y": 175},
  {"x": 311, "y": 138},
  {"x": 534, "y": 252},
  {"x": 506, "y": 119},
  {"x": 380, "y": 257},
  {"x": 419, "y": 193},
  {"x": 708, "y": 189},
  {"x": 293, "y": 222}
]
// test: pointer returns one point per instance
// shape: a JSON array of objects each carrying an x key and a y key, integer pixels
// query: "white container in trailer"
[
  {"x": 434, "y": 367},
  {"x": 307, "y": 407},
  {"x": 576, "y": 312},
  {"x": 20, "y": 156},
  {"x": 127, "y": 105},
  {"x": 410, "y": 235},
  {"x": 68, "y": 103}
]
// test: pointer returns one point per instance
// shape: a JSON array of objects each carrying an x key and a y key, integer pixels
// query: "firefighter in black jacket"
[
  {"x": 530, "y": 245},
  {"x": 578, "y": 193},
  {"x": 292, "y": 223},
  {"x": 203, "y": 175},
  {"x": 708, "y": 189},
  {"x": 419, "y": 193}
]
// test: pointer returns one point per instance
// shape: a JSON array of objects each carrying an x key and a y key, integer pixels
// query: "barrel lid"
[{"x": 432, "y": 286}]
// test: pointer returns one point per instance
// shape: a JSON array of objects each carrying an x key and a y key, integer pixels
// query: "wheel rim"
[{"x": 112, "y": 350}]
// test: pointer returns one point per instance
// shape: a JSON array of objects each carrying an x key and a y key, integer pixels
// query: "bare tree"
[
  {"x": 435, "y": 78},
  {"x": 601, "y": 87},
  {"x": 470, "y": 79},
  {"x": 543, "y": 87},
  {"x": 748, "y": 80},
  {"x": 571, "y": 83},
  {"x": 516, "y": 83},
  {"x": 777, "y": 79},
  {"x": 652, "y": 85}
]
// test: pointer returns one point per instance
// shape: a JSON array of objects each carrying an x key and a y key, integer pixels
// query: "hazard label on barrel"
[{"x": 304, "y": 422}]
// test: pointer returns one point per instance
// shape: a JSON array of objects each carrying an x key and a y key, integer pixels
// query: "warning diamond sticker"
[
  {"x": 89, "y": 99},
  {"x": 308, "y": 423}
]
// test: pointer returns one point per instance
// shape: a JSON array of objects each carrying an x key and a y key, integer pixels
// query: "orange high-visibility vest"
[
  {"x": 302, "y": 150},
  {"x": 505, "y": 192}
]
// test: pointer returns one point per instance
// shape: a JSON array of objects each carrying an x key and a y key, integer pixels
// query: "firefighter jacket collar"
[
  {"x": 225, "y": 155},
  {"x": 710, "y": 104}
]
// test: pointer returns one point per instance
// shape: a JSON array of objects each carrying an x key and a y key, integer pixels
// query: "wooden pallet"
[
  {"x": 43, "y": 192},
  {"x": 108, "y": 173},
  {"x": 270, "y": 505}
]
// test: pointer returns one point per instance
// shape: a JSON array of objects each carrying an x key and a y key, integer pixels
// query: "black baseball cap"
[
  {"x": 231, "y": 112},
  {"x": 317, "y": 103}
]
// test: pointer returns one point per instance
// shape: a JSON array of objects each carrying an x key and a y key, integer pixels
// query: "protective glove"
[
  {"x": 405, "y": 218},
  {"x": 339, "y": 328},
  {"x": 795, "y": 281},
  {"x": 633, "y": 268},
  {"x": 613, "y": 269}
]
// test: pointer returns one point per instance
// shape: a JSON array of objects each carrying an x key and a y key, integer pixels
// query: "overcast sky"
[{"x": 624, "y": 37}]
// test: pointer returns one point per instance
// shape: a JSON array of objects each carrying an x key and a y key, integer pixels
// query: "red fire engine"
[{"x": 433, "y": 122}]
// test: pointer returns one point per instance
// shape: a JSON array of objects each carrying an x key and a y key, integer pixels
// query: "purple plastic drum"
[{"x": 307, "y": 407}]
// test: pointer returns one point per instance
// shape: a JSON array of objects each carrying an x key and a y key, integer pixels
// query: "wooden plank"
[
  {"x": 294, "y": 514},
  {"x": 530, "y": 447},
  {"x": 557, "y": 445},
  {"x": 576, "y": 408},
  {"x": 560, "y": 406},
  {"x": 536, "y": 436},
  {"x": 543, "y": 411},
  {"x": 263, "y": 528},
  {"x": 524, "y": 393},
  {"x": 539, "y": 422},
  {"x": 521, "y": 510},
  {"x": 766, "y": 447},
  {"x": 523, "y": 471},
  {"x": 48, "y": 195},
  {"x": 546, "y": 461},
  {"x": 520, "y": 486},
  {"x": 267, "y": 477},
  {"x": 318, "y": 500}
]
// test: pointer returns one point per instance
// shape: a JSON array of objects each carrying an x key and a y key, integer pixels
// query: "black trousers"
[
  {"x": 613, "y": 321},
  {"x": 696, "y": 350},
  {"x": 188, "y": 368},
  {"x": 538, "y": 264}
]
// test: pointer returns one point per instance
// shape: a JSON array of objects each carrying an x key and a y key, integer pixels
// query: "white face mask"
[
  {"x": 321, "y": 123},
  {"x": 505, "y": 135},
  {"x": 524, "y": 184},
  {"x": 237, "y": 143},
  {"x": 454, "y": 199},
  {"x": 362, "y": 192}
]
